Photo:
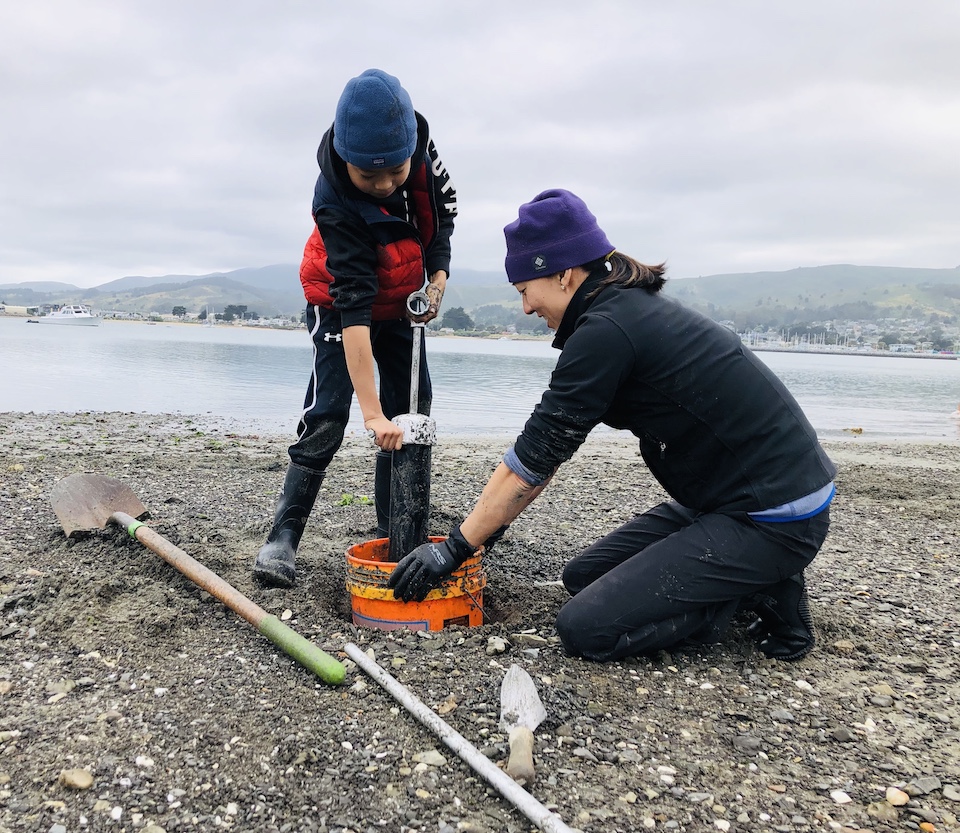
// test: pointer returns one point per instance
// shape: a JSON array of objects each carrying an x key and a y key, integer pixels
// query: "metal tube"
[
  {"x": 415, "y": 369},
  {"x": 410, "y": 464}
]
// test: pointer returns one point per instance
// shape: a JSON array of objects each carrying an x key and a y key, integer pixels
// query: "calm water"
[{"x": 256, "y": 378}]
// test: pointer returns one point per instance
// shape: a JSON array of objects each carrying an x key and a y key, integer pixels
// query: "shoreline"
[
  {"x": 168, "y": 422},
  {"x": 772, "y": 348}
]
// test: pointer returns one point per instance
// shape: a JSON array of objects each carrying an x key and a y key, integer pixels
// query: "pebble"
[
  {"x": 431, "y": 757},
  {"x": 496, "y": 645},
  {"x": 76, "y": 779},
  {"x": 951, "y": 792},
  {"x": 746, "y": 743},
  {"x": 897, "y": 797},
  {"x": 883, "y": 811},
  {"x": 925, "y": 814},
  {"x": 529, "y": 640},
  {"x": 840, "y": 797},
  {"x": 923, "y": 785}
]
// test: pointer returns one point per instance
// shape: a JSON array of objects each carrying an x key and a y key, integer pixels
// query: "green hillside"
[{"x": 824, "y": 293}]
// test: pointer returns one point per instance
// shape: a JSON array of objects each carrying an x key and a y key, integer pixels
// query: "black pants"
[
  {"x": 674, "y": 576},
  {"x": 326, "y": 406}
]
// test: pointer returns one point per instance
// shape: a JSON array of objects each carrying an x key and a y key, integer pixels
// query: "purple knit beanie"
[
  {"x": 375, "y": 126},
  {"x": 554, "y": 231}
]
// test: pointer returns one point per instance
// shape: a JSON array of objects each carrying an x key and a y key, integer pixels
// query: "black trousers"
[
  {"x": 673, "y": 576},
  {"x": 326, "y": 406}
]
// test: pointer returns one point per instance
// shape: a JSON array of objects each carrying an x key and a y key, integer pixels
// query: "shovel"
[
  {"x": 85, "y": 502},
  {"x": 520, "y": 713}
]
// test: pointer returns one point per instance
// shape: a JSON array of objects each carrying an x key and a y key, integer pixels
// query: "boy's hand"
[
  {"x": 435, "y": 294},
  {"x": 434, "y": 290},
  {"x": 386, "y": 434}
]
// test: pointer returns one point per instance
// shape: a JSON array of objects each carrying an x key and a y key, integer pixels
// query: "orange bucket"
[{"x": 458, "y": 601}]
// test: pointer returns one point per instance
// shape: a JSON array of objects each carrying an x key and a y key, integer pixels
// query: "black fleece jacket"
[{"x": 717, "y": 428}]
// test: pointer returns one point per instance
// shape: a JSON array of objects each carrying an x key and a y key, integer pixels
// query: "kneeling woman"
[{"x": 749, "y": 483}]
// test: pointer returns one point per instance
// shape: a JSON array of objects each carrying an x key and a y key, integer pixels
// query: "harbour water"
[{"x": 254, "y": 379}]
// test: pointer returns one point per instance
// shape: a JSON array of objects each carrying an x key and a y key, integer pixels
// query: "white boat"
[{"x": 76, "y": 314}]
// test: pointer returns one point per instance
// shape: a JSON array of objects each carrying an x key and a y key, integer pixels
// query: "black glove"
[
  {"x": 427, "y": 566},
  {"x": 496, "y": 536}
]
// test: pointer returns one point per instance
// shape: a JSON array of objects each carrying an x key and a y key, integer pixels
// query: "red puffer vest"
[{"x": 400, "y": 268}]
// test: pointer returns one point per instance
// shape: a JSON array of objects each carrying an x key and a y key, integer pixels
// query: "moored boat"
[{"x": 71, "y": 314}]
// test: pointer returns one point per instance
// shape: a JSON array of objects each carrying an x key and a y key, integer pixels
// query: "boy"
[{"x": 384, "y": 208}]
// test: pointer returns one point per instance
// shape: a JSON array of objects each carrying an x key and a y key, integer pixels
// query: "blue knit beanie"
[
  {"x": 375, "y": 126},
  {"x": 554, "y": 231}
]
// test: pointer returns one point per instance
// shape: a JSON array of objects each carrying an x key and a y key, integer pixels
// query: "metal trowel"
[{"x": 520, "y": 713}]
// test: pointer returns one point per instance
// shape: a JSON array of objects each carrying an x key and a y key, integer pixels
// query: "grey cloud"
[{"x": 177, "y": 137}]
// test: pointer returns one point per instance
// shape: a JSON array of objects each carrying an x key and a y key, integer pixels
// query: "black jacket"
[{"x": 717, "y": 428}]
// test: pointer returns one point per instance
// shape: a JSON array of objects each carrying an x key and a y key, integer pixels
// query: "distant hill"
[
  {"x": 807, "y": 293},
  {"x": 268, "y": 291},
  {"x": 821, "y": 293}
]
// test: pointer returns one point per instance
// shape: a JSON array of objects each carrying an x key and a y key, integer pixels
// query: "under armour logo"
[
  {"x": 539, "y": 263},
  {"x": 333, "y": 336}
]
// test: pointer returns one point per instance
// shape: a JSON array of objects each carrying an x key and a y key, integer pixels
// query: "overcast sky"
[{"x": 148, "y": 138}]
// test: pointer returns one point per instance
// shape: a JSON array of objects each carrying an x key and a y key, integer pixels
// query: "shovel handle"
[
  {"x": 520, "y": 763},
  {"x": 326, "y": 667}
]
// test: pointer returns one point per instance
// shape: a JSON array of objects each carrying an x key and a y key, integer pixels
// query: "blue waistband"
[{"x": 799, "y": 509}]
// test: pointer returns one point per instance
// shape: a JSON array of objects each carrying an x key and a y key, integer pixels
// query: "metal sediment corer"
[{"x": 410, "y": 468}]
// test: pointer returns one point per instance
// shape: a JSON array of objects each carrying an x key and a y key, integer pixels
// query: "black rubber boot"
[
  {"x": 382, "y": 474},
  {"x": 784, "y": 629},
  {"x": 275, "y": 561}
]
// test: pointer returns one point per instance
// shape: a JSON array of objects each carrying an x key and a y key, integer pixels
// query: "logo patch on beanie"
[
  {"x": 377, "y": 162},
  {"x": 539, "y": 263}
]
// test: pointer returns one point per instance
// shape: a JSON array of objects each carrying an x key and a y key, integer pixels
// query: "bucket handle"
[{"x": 476, "y": 604}]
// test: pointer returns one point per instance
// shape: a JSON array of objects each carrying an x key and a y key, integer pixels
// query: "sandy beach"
[{"x": 131, "y": 700}]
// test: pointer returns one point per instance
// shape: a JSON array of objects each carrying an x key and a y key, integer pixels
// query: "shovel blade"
[
  {"x": 85, "y": 502},
  {"x": 519, "y": 702}
]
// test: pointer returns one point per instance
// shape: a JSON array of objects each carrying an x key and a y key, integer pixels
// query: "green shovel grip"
[{"x": 326, "y": 667}]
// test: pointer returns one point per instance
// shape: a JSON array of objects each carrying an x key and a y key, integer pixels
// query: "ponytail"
[{"x": 617, "y": 269}]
